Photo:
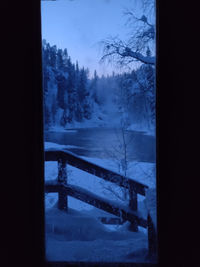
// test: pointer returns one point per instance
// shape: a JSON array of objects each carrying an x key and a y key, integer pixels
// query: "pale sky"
[{"x": 80, "y": 25}]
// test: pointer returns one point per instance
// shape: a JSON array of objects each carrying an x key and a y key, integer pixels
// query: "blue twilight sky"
[{"x": 80, "y": 25}]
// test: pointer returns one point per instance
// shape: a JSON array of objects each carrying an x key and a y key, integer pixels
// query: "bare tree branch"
[{"x": 137, "y": 48}]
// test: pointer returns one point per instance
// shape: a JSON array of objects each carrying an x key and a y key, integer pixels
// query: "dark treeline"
[{"x": 71, "y": 96}]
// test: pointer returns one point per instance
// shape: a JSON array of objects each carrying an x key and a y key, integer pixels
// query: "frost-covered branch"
[
  {"x": 140, "y": 45},
  {"x": 137, "y": 56},
  {"x": 123, "y": 53}
]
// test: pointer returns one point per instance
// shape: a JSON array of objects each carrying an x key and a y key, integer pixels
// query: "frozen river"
[{"x": 106, "y": 143}]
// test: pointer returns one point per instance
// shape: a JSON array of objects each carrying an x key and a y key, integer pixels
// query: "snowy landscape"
[
  {"x": 78, "y": 235},
  {"x": 104, "y": 118}
]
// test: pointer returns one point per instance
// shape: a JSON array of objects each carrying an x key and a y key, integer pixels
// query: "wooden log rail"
[
  {"x": 99, "y": 202},
  {"x": 134, "y": 187},
  {"x": 84, "y": 165}
]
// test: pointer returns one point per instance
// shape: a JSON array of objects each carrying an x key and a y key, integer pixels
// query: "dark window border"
[{"x": 23, "y": 136}]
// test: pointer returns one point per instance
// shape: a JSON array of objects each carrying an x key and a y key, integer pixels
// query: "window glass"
[{"x": 98, "y": 59}]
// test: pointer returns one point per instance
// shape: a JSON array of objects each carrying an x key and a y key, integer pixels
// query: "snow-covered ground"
[
  {"x": 78, "y": 235},
  {"x": 60, "y": 129},
  {"x": 73, "y": 236}
]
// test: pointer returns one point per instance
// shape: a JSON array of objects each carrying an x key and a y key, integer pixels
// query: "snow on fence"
[{"x": 129, "y": 213}]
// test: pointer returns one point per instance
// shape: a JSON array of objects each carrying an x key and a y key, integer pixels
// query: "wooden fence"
[{"x": 130, "y": 213}]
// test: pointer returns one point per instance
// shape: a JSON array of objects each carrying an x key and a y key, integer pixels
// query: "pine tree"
[
  {"x": 93, "y": 87},
  {"x": 54, "y": 109},
  {"x": 83, "y": 95},
  {"x": 65, "y": 60},
  {"x": 53, "y": 54},
  {"x": 47, "y": 117},
  {"x": 71, "y": 90},
  {"x": 59, "y": 60},
  {"x": 45, "y": 54},
  {"x": 62, "y": 85}
]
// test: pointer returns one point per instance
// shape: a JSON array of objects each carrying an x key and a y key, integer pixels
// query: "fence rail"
[
  {"x": 134, "y": 187},
  {"x": 108, "y": 175}
]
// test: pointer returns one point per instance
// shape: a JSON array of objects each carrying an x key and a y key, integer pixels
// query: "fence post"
[
  {"x": 62, "y": 179},
  {"x": 133, "y": 206},
  {"x": 152, "y": 239}
]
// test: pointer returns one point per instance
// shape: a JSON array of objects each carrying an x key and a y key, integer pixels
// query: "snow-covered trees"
[
  {"x": 145, "y": 78},
  {"x": 137, "y": 88},
  {"x": 71, "y": 96},
  {"x": 136, "y": 96},
  {"x": 65, "y": 86}
]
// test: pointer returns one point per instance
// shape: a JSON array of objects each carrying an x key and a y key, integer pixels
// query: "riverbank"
[{"x": 73, "y": 127}]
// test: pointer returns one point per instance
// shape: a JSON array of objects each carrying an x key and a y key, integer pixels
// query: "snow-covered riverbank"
[{"x": 96, "y": 122}]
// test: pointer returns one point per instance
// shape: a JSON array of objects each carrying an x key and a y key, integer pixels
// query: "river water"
[{"x": 106, "y": 143}]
